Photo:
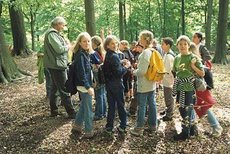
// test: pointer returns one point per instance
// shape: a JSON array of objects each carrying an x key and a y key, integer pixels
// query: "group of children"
[{"x": 124, "y": 73}]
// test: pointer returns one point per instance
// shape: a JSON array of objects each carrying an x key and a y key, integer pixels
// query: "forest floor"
[{"x": 26, "y": 127}]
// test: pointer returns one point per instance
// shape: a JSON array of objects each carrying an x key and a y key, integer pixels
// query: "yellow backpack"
[{"x": 156, "y": 69}]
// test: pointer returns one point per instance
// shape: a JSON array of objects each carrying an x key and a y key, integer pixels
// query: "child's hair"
[
  {"x": 199, "y": 35},
  {"x": 79, "y": 38},
  {"x": 108, "y": 39},
  {"x": 185, "y": 38},
  {"x": 98, "y": 42},
  {"x": 168, "y": 41},
  {"x": 147, "y": 35},
  {"x": 125, "y": 43}
]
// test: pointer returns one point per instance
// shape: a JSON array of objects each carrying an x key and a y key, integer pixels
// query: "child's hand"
[{"x": 91, "y": 91}]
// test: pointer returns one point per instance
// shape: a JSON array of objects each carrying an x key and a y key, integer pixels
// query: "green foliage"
[{"x": 162, "y": 17}]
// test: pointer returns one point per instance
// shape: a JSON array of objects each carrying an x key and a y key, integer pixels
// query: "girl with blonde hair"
[{"x": 83, "y": 81}]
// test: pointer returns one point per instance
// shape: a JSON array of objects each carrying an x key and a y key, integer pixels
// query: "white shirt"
[
  {"x": 168, "y": 79},
  {"x": 143, "y": 84}
]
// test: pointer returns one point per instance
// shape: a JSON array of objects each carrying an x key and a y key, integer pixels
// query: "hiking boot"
[
  {"x": 137, "y": 131},
  {"x": 151, "y": 130},
  {"x": 163, "y": 112},
  {"x": 88, "y": 135},
  {"x": 72, "y": 115},
  {"x": 76, "y": 129},
  {"x": 166, "y": 118},
  {"x": 180, "y": 137},
  {"x": 121, "y": 130},
  {"x": 108, "y": 132},
  {"x": 194, "y": 130},
  {"x": 217, "y": 131},
  {"x": 97, "y": 118},
  {"x": 55, "y": 113}
]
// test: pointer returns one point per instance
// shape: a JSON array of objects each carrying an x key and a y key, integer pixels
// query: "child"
[
  {"x": 84, "y": 85},
  {"x": 145, "y": 88},
  {"x": 185, "y": 66},
  {"x": 168, "y": 79},
  {"x": 113, "y": 72},
  {"x": 204, "y": 102},
  {"x": 127, "y": 79},
  {"x": 100, "y": 98},
  {"x": 133, "y": 104}
]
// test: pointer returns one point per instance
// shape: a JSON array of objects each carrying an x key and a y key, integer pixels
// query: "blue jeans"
[
  {"x": 85, "y": 113},
  {"x": 187, "y": 112},
  {"x": 100, "y": 107},
  {"x": 143, "y": 99},
  {"x": 115, "y": 98},
  {"x": 212, "y": 120}
]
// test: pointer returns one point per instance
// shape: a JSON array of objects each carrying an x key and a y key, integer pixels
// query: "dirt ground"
[{"x": 25, "y": 125}]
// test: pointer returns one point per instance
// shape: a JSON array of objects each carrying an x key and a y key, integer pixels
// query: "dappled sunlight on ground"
[{"x": 25, "y": 125}]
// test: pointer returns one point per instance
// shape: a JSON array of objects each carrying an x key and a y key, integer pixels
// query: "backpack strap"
[{"x": 171, "y": 53}]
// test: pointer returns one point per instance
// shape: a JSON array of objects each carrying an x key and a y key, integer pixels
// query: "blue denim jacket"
[
  {"x": 113, "y": 69},
  {"x": 83, "y": 68}
]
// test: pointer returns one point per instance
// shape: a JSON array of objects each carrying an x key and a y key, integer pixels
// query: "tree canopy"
[{"x": 164, "y": 18}]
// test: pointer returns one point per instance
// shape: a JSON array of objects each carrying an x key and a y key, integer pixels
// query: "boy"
[{"x": 168, "y": 77}]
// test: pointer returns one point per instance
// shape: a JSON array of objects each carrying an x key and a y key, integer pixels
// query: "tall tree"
[
  {"x": 149, "y": 15},
  {"x": 208, "y": 24},
  {"x": 121, "y": 20},
  {"x": 183, "y": 16},
  {"x": 164, "y": 25},
  {"x": 90, "y": 17},
  {"x": 33, "y": 7},
  {"x": 18, "y": 30},
  {"x": 8, "y": 68},
  {"x": 220, "y": 53}
]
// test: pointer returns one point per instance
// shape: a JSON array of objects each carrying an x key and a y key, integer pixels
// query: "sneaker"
[
  {"x": 55, "y": 113},
  {"x": 72, "y": 115},
  {"x": 217, "y": 131},
  {"x": 151, "y": 130},
  {"x": 166, "y": 118},
  {"x": 108, "y": 132},
  {"x": 137, "y": 131},
  {"x": 96, "y": 118},
  {"x": 162, "y": 113},
  {"x": 88, "y": 135},
  {"x": 180, "y": 137},
  {"x": 76, "y": 129},
  {"x": 121, "y": 130},
  {"x": 131, "y": 114},
  {"x": 127, "y": 99},
  {"x": 194, "y": 130}
]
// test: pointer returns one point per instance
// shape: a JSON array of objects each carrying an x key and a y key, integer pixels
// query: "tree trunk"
[
  {"x": 164, "y": 26},
  {"x": 18, "y": 31},
  {"x": 149, "y": 15},
  {"x": 8, "y": 68},
  {"x": 125, "y": 24},
  {"x": 183, "y": 17},
  {"x": 220, "y": 53},
  {"x": 90, "y": 17},
  {"x": 208, "y": 24},
  {"x": 160, "y": 16},
  {"x": 32, "y": 27},
  {"x": 121, "y": 21},
  {"x": 1, "y": 2}
]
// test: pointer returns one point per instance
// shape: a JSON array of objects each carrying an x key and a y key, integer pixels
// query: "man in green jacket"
[{"x": 55, "y": 60}]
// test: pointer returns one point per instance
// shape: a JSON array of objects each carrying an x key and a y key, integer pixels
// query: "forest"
[{"x": 24, "y": 123}]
